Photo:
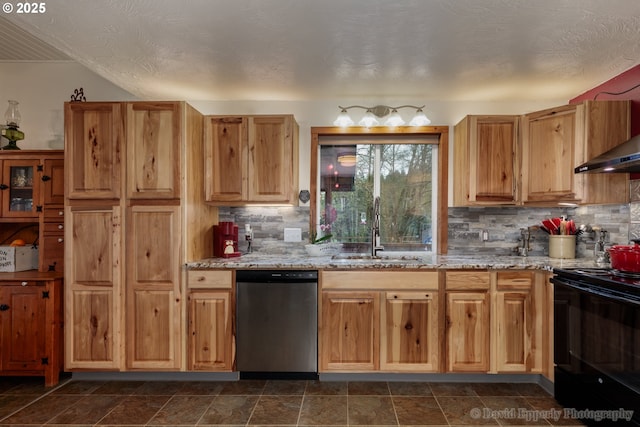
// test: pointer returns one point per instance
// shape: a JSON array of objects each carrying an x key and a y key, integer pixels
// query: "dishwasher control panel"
[{"x": 285, "y": 276}]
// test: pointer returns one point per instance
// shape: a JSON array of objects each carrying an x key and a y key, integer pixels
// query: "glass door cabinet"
[{"x": 20, "y": 189}]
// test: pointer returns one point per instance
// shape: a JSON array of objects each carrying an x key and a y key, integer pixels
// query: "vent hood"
[{"x": 621, "y": 159}]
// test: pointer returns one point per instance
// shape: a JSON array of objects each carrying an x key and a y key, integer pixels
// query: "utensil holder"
[{"x": 563, "y": 246}]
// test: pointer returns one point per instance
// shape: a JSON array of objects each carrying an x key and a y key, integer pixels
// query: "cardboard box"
[{"x": 18, "y": 258}]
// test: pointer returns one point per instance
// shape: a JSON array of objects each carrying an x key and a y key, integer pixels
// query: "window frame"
[{"x": 443, "y": 167}]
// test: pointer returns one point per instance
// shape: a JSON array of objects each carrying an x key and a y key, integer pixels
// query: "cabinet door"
[
  {"x": 154, "y": 142},
  {"x": 21, "y": 189},
  {"x": 23, "y": 327},
  {"x": 226, "y": 159},
  {"x": 349, "y": 336},
  {"x": 53, "y": 182},
  {"x": 485, "y": 160},
  {"x": 272, "y": 155},
  {"x": 549, "y": 157},
  {"x": 94, "y": 133},
  {"x": 409, "y": 325},
  {"x": 467, "y": 323},
  {"x": 92, "y": 288},
  {"x": 210, "y": 331},
  {"x": 154, "y": 338},
  {"x": 514, "y": 327},
  {"x": 51, "y": 254}
]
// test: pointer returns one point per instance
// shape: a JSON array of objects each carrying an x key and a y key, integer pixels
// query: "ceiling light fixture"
[
  {"x": 372, "y": 114},
  {"x": 348, "y": 160}
]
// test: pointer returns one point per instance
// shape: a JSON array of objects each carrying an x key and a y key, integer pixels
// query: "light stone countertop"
[{"x": 265, "y": 262}]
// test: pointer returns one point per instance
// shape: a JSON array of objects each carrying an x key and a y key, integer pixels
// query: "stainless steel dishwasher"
[{"x": 277, "y": 324}]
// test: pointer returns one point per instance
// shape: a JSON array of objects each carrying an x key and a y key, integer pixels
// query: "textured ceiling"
[{"x": 332, "y": 49}]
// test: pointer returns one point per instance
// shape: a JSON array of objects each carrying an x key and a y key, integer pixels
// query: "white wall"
[{"x": 42, "y": 88}]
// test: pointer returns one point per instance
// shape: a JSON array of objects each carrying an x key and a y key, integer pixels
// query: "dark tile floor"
[{"x": 26, "y": 402}]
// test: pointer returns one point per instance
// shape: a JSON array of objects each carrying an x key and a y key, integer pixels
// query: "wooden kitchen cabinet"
[
  {"x": 153, "y": 295},
  {"x": 409, "y": 325},
  {"x": 557, "y": 140},
  {"x": 51, "y": 236},
  {"x": 94, "y": 137},
  {"x": 486, "y": 167},
  {"x": 497, "y": 321},
  {"x": 93, "y": 287},
  {"x": 153, "y": 150},
  {"x": 31, "y": 324},
  {"x": 467, "y": 321},
  {"x": 517, "y": 322},
  {"x": 152, "y": 201},
  {"x": 350, "y": 333},
  {"x": 379, "y": 321},
  {"x": 31, "y": 185},
  {"x": 251, "y": 160},
  {"x": 211, "y": 320}
]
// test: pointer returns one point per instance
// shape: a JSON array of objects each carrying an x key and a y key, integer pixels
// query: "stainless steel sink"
[{"x": 377, "y": 258}]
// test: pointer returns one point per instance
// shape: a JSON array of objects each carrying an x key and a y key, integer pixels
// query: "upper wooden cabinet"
[
  {"x": 498, "y": 162},
  {"x": 94, "y": 133},
  {"x": 485, "y": 160},
  {"x": 557, "y": 140},
  {"x": 154, "y": 141},
  {"x": 251, "y": 160}
]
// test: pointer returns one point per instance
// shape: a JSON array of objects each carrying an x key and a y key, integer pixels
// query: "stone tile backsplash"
[
  {"x": 465, "y": 227},
  {"x": 504, "y": 224}
]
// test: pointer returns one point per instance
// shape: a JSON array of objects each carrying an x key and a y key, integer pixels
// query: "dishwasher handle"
[{"x": 276, "y": 276}]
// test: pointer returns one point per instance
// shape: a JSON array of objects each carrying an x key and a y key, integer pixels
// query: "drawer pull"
[
  {"x": 60, "y": 226},
  {"x": 4, "y": 307},
  {"x": 60, "y": 213},
  {"x": 60, "y": 240},
  {"x": 24, "y": 283}
]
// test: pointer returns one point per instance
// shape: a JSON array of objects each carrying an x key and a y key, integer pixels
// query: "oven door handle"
[{"x": 590, "y": 290}]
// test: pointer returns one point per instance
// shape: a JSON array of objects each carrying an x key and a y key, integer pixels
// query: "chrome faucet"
[{"x": 375, "y": 228}]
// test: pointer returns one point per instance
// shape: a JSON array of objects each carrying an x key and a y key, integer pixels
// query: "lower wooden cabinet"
[
  {"x": 410, "y": 331},
  {"x": 350, "y": 334},
  {"x": 496, "y": 321},
  {"x": 31, "y": 325},
  {"x": 379, "y": 321},
  {"x": 211, "y": 320},
  {"x": 93, "y": 302},
  {"x": 468, "y": 331},
  {"x": 153, "y": 294}
]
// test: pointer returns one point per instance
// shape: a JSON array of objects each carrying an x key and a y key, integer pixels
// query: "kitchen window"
[{"x": 405, "y": 169}]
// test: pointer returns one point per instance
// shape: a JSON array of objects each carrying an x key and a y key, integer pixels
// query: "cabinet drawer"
[
  {"x": 54, "y": 227},
  {"x": 410, "y": 295},
  {"x": 220, "y": 279},
  {"x": 52, "y": 252},
  {"x": 514, "y": 280},
  {"x": 472, "y": 279},
  {"x": 372, "y": 280},
  {"x": 53, "y": 213},
  {"x": 22, "y": 283}
]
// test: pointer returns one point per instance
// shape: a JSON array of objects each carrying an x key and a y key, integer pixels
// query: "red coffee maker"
[{"x": 225, "y": 240}]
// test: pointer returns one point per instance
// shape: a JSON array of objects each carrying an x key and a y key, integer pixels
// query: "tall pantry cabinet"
[{"x": 135, "y": 214}]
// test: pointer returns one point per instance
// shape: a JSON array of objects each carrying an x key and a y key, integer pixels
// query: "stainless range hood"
[{"x": 621, "y": 159}]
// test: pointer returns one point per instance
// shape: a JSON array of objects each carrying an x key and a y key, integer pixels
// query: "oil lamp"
[{"x": 11, "y": 132}]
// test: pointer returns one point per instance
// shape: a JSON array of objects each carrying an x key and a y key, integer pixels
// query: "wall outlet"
[
  {"x": 293, "y": 235},
  {"x": 484, "y": 236}
]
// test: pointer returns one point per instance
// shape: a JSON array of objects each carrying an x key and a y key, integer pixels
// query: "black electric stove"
[{"x": 597, "y": 344}]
